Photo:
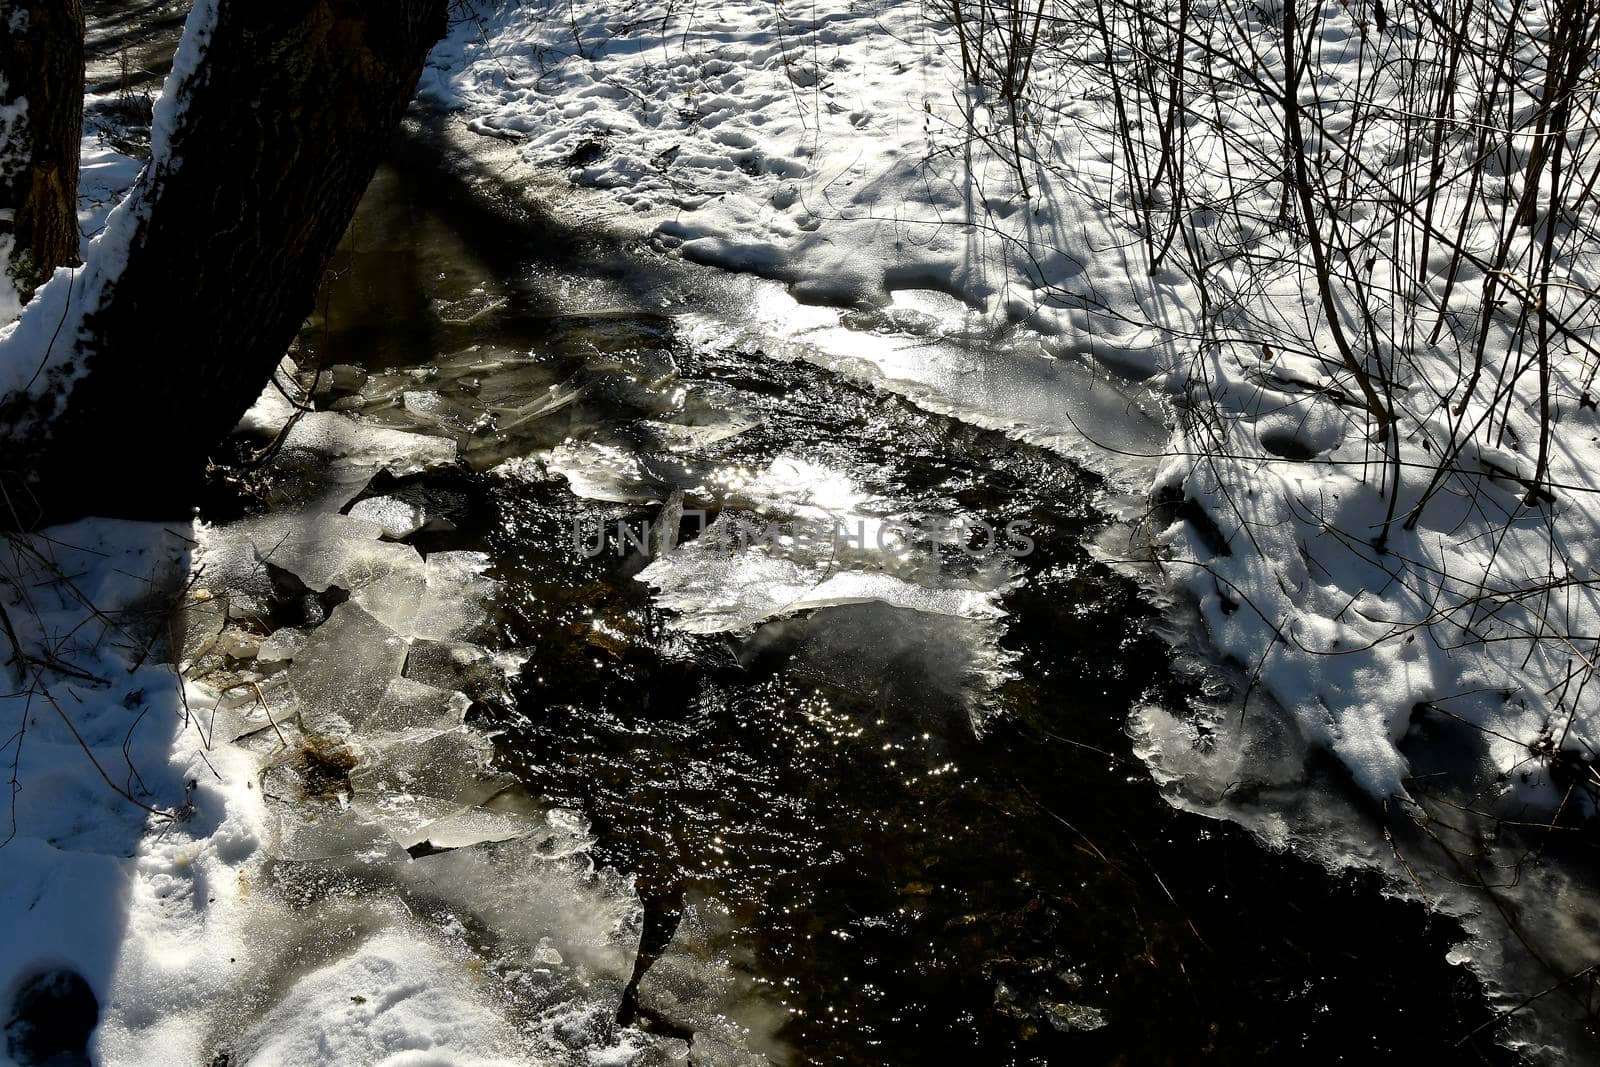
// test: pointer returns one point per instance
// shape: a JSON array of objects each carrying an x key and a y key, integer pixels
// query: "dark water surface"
[{"x": 898, "y": 887}]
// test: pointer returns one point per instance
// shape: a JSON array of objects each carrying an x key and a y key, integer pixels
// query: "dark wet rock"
[{"x": 590, "y": 151}]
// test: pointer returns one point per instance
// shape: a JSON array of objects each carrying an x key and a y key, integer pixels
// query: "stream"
[{"x": 891, "y": 791}]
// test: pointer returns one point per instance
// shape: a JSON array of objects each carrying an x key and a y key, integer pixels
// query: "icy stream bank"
[{"x": 823, "y": 857}]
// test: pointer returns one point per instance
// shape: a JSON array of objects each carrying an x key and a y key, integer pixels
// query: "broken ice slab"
[
  {"x": 1068, "y": 1017},
  {"x": 238, "y": 644},
  {"x": 472, "y": 826},
  {"x": 413, "y": 705},
  {"x": 696, "y": 986},
  {"x": 606, "y": 472},
  {"x": 446, "y": 764},
  {"x": 427, "y": 824},
  {"x": 398, "y": 519},
  {"x": 228, "y": 565},
  {"x": 514, "y": 410},
  {"x": 469, "y": 309},
  {"x": 450, "y": 416},
  {"x": 713, "y": 591},
  {"x": 379, "y": 391},
  {"x": 204, "y": 615},
  {"x": 336, "y": 456},
  {"x": 681, "y": 437},
  {"x": 522, "y": 429},
  {"x": 510, "y": 382},
  {"x": 341, "y": 379},
  {"x": 553, "y": 903},
  {"x": 693, "y": 415},
  {"x": 343, "y": 671},
  {"x": 320, "y": 550},
  {"x": 241, "y": 709},
  {"x": 403, "y": 815},
  {"x": 282, "y": 645},
  {"x": 458, "y": 665},
  {"x": 394, "y": 599},
  {"x": 331, "y": 834},
  {"x": 455, "y": 589}
]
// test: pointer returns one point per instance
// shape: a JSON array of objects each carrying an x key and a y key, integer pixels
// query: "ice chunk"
[
  {"x": 412, "y": 705},
  {"x": 451, "y": 604},
  {"x": 1068, "y": 1017},
  {"x": 428, "y": 824},
  {"x": 230, "y": 564},
  {"x": 403, "y": 815},
  {"x": 282, "y": 645},
  {"x": 204, "y": 614},
  {"x": 1066, "y": 404},
  {"x": 340, "y": 379},
  {"x": 447, "y": 764},
  {"x": 676, "y": 436},
  {"x": 471, "y": 826},
  {"x": 339, "y": 456},
  {"x": 343, "y": 835},
  {"x": 448, "y": 415},
  {"x": 395, "y": 598},
  {"x": 694, "y": 987},
  {"x": 398, "y": 519},
  {"x": 321, "y": 550},
  {"x": 458, "y": 665},
  {"x": 707, "y": 414},
  {"x": 343, "y": 672},
  {"x": 607, "y": 472},
  {"x": 546, "y": 895},
  {"x": 244, "y": 708},
  {"x": 238, "y": 644},
  {"x": 713, "y": 592}
]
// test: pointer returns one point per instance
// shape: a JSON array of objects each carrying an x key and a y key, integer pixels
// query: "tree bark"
[
  {"x": 265, "y": 147},
  {"x": 41, "y": 97}
]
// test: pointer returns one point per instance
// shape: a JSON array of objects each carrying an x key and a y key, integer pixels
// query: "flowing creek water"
[{"x": 904, "y": 817}]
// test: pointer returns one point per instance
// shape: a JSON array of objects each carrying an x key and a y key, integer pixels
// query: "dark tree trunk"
[
  {"x": 277, "y": 131},
  {"x": 41, "y": 59}
]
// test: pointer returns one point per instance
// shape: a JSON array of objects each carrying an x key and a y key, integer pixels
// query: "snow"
[{"x": 398, "y": 1001}]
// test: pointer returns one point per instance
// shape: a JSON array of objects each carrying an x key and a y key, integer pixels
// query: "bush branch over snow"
[{"x": 1353, "y": 242}]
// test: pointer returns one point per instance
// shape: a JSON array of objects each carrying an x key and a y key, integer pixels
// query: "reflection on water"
[{"x": 805, "y": 799}]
